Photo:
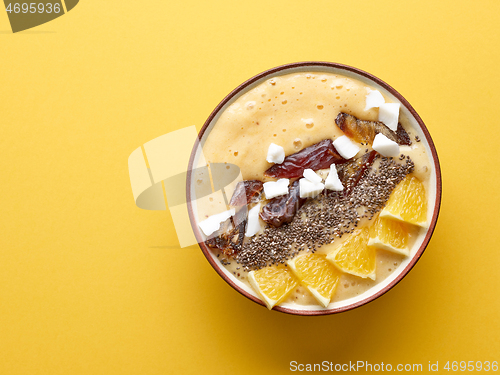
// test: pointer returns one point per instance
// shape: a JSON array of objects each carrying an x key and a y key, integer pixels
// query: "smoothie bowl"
[{"x": 326, "y": 192}]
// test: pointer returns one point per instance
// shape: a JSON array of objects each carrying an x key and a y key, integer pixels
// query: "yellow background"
[{"x": 90, "y": 284}]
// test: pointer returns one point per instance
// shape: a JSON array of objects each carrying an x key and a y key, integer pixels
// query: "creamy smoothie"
[{"x": 296, "y": 111}]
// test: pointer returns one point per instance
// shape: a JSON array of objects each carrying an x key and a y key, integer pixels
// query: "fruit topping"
[
  {"x": 274, "y": 189},
  {"x": 310, "y": 189},
  {"x": 388, "y": 113},
  {"x": 374, "y": 99},
  {"x": 333, "y": 182},
  {"x": 273, "y": 284},
  {"x": 390, "y": 235},
  {"x": 318, "y": 156},
  {"x": 345, "y": 147},
  {"x": 311, "y": 185},
  {"x": 385, "y": 146},
  {"x": 403, "y": 137},
  {"x": 350, "y": 173},
  {"x": 253, "y": 226},
  {"x": 230, "y": 241},
  {"x": 354, "y": 256},
  {"x": 365, "y": 131},
  {"x": 212, "y": 224},
  {"x": 275, "y": 154},
  {"x": 407, "y": 202},
  {"x": 282, "y": 210},
  {"x": 247, "y": 191},
  {"x": 312, "y": 176},
  {"x": 317, "y": 274}
]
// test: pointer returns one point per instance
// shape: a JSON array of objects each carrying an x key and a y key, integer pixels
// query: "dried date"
[
  {"x": 318, "y": 156},
  {"x": 247, "y": 191},
  {"x": 365, "y": 131},
  {"x": 282, "y": 209},
  {"x": 232, "y": 234},
  {"x": 351, "y": 173}
]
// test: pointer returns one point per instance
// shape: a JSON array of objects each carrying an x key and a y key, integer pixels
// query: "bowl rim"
[{"x": 404, "y": 102}]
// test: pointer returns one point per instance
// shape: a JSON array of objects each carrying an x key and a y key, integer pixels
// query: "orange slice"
[
  {"x": 354, "y": 256},
  {"x": 407, "y": 202},
  {"x": 272, "y": 284},
  {"x": 317, "y": 274},
  {"x": 390, "y": 235}
]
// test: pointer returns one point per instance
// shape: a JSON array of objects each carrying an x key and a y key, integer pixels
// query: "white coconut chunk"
[
  {"x": 310, "y": 189},
  {"x": 212, "y": 223},
  {"x": 388, "y": 113},
  {"x": 253, "y": 223},
  {"x": 374, "y": 99},
  {"x": 275, "y": 154},
  {"x": 345, "y": 147},
  {"x": 333, "y": 182},
  {"x": 385, "y": 146},
  {"x": 312, "y": 176},
  {"x": 276, "y": 188}
]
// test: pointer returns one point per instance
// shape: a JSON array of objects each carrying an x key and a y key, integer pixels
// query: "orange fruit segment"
[
  {"x": 317, "y": 274},
  {"x": 354, "y": 256},
  {"x": 272, "y": 284},
  {"x": 407, "y": 202},
  {"x": 390, "y": 235}
]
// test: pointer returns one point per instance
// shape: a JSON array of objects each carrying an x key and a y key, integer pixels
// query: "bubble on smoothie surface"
[
  {"x": 320, "y": 106},
  {"x": 250, "y": 105},
  {"x": 297, "y": 143},
  {"x": 309, "y": 122}
]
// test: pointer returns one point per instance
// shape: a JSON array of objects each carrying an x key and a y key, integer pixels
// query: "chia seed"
[{"x": 330, "y": 215}]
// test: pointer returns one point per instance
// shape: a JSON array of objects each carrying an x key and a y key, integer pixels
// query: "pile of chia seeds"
[{"x": 319, "y": 221}]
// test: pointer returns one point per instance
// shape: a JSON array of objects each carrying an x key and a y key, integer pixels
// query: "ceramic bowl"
[{"x": 433, "y": 202}]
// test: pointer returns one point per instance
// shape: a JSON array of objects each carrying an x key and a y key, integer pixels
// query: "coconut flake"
[
  {"x": 310, "y": 175},
  {"x": 385, "y": 146},
  {"x": 310, "y": 189},
  {"x": 333, "y": 182},
  {"x": 276, "y": 188},
  {"x": 253, "y": 223},
  {"x": 275, "y": 154},
  {"x": 388, "y": 113},
  {"x": 374, "y": 99},
  {"x": 345, "y": 147},
  {"x": 212, "y": 223}
]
